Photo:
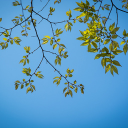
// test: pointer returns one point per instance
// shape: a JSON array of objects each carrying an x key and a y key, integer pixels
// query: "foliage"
[{"x": 98, "y": 38}]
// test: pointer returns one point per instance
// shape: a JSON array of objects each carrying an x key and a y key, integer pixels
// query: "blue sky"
[{"x": 105, "y": 101}]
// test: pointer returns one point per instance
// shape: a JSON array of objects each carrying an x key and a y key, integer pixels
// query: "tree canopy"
[{"x": 100, "y": 37}]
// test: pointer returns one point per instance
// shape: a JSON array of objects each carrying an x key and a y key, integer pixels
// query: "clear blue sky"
[{"x": 105, "y": 102}]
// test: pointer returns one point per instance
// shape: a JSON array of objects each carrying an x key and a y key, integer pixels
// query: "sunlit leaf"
[
  {"x": 64, "y": 89},
  {"x": 107, "y": 68},
  {"x": 116, "y": 63},
  {"x": 54, "y": 46}
]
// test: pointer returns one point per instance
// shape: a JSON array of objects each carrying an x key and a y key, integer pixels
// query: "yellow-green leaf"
[
  {"x": 114, "y": 36},
  {"x": 5, "y": 39},
  {"x": 47, "y": 36},
  {"x": 116, "y": 63},
  {"x": 11, "y": 41},
  {"x": 54, "y": 46},
  {"x": 122, "y": 42},
  {"x": 28, "y": 61},
  {"x": 82, "y": 90},
  {"x": 0, "y": 19},
  {"x": 58, "y": 40},
  {"x": 28, "y": 89},
  {"x": 106, "y": 41},
  {"x": 64, "y": 89},
  {"x": 103, "y": 62},
  {"x": 124, "y": 32},
  {"x": 70, "y": 92},
  {"x": 115, "y": 69},
  {"x": 76, "y": 89},
  {"x": 75, "y": 82},
  {"x": 107, "y": 68},
  {"x": 71, "y": 86},
  {"x": 27, "y": 84},
  {"x": 81, "y": 15},
  {"x": 51, "y": 42},
  {"x": 111, "y": 27},
  {"x": 22, "y": 86},
  {"x": 97, "y": 56},
  {"x": 125, "y": 49},
  {"x": 28, "y": 28},
  {"x": 33, "y": 87}
]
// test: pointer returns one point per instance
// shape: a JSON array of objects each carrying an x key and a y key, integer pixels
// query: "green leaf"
[
  {"x": 28, "y": 89},
  {"x": 97, "y": 56},
  {"x": 24, "y": 63},
  {"x": 0, "y": 19},
  {"x": 114, "y": 69},
  {"x": 17, "y": 81},
  {"x": 23, "y": 80},
  {"x": 82, "y": 90},
  {"x": 70, "y": 92},
  {"x": 21, "y": 61},
  {"x": 11, "y": 41},
  {"x": 111, "y": 47},
  {"x": 58, "y": 40},
  {"x": 84, "y": 44},
  {"x": 81, "y": 15},
  {"x": 76, "y": 89},
  {"x": 94, "y": 44},
  {"x": 114, "y": 30},
  {"x": 68, "y": 70},
  {"x": 28, "y": 23},
  {"x": 114, "y": 36},
  {"x": 64, "y": 89},
  {"x": 55, "y": 81},
  {"x": 80, "y": 38},
  {"x": 107, "y": 68},
  {"x": 21, "y": 19},
  {"x": 33, "y": 87},
  {"x": 111, "y": 70},
  {"x": 124, "y": 32},
  {"x": 56, "y": 60},
  {"x": 28, "y": 28},
  {"x": 66, "y": 93},
  {"x": 122, "y": 42},
  {"x": 27, "y": 84},
  {"x": 51, "y": 42},
  {"x": 38, "y": 72},
  {"x": 28, "y": 61},
  {"x": 106, "y": 41},
  {"x": 116, "y": 63},
  {"x": 32, "y": 81},
  {"x": 54, "y": 46},
  {"x": 125, "y": 48},
  {"x": 70, "y": 24},
  {"x": 15, "y": 3},
  {"x": 5, "y": 39},
  {"x": 75, "y": 82},
  {"x": 77, "y": 9},
  {"x": 45, "y": 41},
  {"x": 6, "y": 45},
  {"x": 89, "y": 47},
  {"x": 105, "y": 50},
  {"x": 118, "y": 51},
  {"x": 16, "y": 86},
  {"x": 22, "y": 86},
  {"x": 62, "y": 45},
  {"x": 103, "y": 62},
  {"x": 47, "y": 37},
  {"x": 71, "y": 86},
  {"x": 111, "y": 27},
  {"x": 40, "y": 76}
]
